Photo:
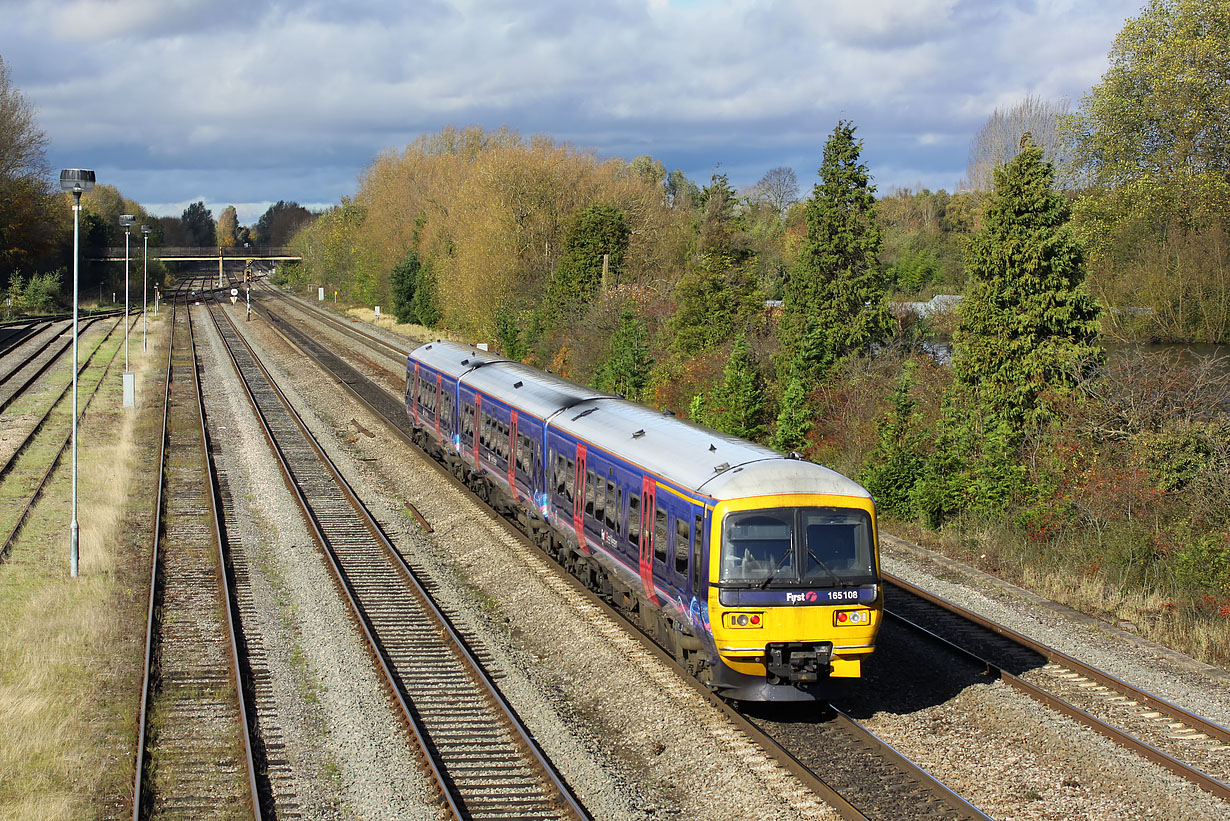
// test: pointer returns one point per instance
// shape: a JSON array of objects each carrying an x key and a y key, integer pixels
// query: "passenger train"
[{"x": 759, "y": 572}]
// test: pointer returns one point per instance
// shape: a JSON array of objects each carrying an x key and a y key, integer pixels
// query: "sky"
[{"x": 247, "y": 102}]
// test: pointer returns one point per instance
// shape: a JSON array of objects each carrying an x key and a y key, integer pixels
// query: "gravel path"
[{"x": 346, "y": 748}]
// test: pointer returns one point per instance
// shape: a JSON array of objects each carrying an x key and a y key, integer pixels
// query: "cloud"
[{"x": 191, "y": 99}]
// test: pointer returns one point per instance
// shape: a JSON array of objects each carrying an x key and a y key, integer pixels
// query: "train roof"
[{"x": 704, "y": 461}]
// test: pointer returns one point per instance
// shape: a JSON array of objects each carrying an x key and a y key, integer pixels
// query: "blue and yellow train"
[{"x": 759, "y": 572}]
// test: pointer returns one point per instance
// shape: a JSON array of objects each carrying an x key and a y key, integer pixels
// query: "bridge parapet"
[{"x": 282, "y": 252}]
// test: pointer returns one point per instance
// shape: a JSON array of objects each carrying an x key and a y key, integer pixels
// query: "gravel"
[{"x": 347, "y": 751}]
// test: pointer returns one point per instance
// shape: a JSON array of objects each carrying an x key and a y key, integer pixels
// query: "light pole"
[
  {"x": 76, "y": 180},
  {"x": 127, "y": 220},
  {"x": 145, "y": 229}
]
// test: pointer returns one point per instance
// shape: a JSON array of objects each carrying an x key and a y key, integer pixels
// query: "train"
[{"x": 758, "y": 571}]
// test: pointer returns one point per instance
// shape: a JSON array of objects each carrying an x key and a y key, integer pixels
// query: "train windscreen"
[{"x": 797, "y": 546}]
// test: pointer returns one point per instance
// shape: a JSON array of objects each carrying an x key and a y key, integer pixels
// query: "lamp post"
[
  {"x": 145, "y": 229},
  {"x": 78, "y": 181},
  {"x": 126, "y": 221}
]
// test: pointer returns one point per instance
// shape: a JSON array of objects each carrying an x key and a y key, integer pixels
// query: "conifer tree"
[
  {"x": 739, "y": 402},
  {"x": 402, "y": 282},
  {"x": 834, "y": 298},
  {"x": 628, "y": 364},
  {"x": 794, "y": 418},
  {"x": 597, "y": 231},
  {"x": 1024, "y": 331}
]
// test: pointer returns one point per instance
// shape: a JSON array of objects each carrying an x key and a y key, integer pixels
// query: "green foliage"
[
  {"x": 739, "y": 401},
  {"x": 599, "y": 230},
  {"x": 628, "y": 363},
  {"x": 1182, "y": 454},
  {"x": 1203, "y": 564},
  {"x": 403, "y": 282},
  {"x": 198, "y": 222},
  {"x": 1028, "y": 325},
  {"x": 914, "y": 270},
  {"x": 834, "y": 298},
  {"x": 894, "y": 465},
  {"x": 698, "y": 410},
  {"x": 716, "y": 299},
  {"x": 794, "y": 417},
  {"x": 1151, "y": 142},
  {"x": 425, "y": 305},
  {"x": 508, "y": 334},
  {"x": 37, "y": 295}
]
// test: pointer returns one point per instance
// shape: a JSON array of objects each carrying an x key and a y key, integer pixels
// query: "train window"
[
  {"x": 682, "y": 537},
  {"x": 659, "y": 535},
  {"x": 589, "y": 493},
  {"x": 634, "y": 519},
  {"x": 619, "y": 509},
  {"x": 699, "y": 554},
  {"x": 599, "y": 499},
  {"x": 571, "y": 478},
  {"x": 612, "y": 510},
  {"x": 561, "y": 475}
]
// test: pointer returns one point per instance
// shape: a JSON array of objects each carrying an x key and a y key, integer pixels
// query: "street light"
[
  {"x": 126, "y": 221},
  {"x": 145, "y": 229},
  {"x": 78, "y": 181}
]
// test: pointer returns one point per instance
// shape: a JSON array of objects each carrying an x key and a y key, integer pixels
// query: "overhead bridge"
[{"x": 209, "y": 254}]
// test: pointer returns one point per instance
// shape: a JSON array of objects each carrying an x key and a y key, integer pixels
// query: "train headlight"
[
  {"x": 743, "y": 620},
  {"x": 852, "y": 618}
]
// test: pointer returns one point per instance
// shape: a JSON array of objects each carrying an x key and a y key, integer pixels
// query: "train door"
[
  {"x": 649, "y": 490},
  {"x": 478, "y": 426},
  {"x": 414, "y": 397},
  {"x": 439, "y": 408},
  {"x": 513, "y": 451},
  {"x": 578, "y": 499}
]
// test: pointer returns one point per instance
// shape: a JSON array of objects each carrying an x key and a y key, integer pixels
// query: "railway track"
[
  {"x": 23, "y": 366},
  {"x": 30, "y": 463},
  {"x": 483, "y": 760},
  {"x": 861, "y": 775},
  {"x": 1187, "y": 745},
  {"x": 194, "y": 752}
]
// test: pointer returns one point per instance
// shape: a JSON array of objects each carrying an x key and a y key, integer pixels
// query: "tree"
[
  {"x": 999, "y": 139},
  {"x": 598, "y": 231},
  {"x": 794, "y": 417},
  {"x": 628, "y": 363},
  {"x": 715, "y": 299},
  {"x": 1150, "y": 140},
  {"x": 834, "y": 297},
  {"x": 227, "y": 228},
  {"x": 895, "y": 463},
  {"x": 30, "y": 218},
  {"x": 779, "y": 188},
  {"x": 403, "y": 281},
  {"x": 198, "y": 222},
  {"x": 738, "y": 404},
  {"x": 1025, "y": 331},
  {"x": 280, "y": 222},
  {"x": 681, "y": 191}
]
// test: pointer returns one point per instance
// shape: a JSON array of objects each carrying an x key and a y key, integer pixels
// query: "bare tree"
[
  {"x": 779, "y": 188},
  {"x": 1000, "y": 140}
]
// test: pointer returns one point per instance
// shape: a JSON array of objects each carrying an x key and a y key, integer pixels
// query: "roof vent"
[
  {"x": 518, "y": 383},
  {"x": 794, "y": 454},
  {"x": 428, "y": 348},
  {"x": 713, "y": 448},
  {"x": 639, "y": 434},
  {"x": 721, "y": 467},
  {"x": 668, "y": 412},
  {"x": 465, "y": 362}
]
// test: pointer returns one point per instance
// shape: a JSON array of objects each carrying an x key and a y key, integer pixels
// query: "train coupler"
[{"x": 797, "y": 661}]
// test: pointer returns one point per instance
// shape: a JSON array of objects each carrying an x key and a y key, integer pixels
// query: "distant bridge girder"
[{"x": 208, "y": 254}]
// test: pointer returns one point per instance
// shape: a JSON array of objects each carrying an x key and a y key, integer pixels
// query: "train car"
[{"x": 759, "y": 572}]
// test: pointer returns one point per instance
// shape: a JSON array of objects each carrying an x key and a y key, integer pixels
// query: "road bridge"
[{"x": 276, "y": 253}]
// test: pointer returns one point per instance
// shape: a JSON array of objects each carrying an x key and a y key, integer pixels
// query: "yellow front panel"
[{"x": 738, "y": 645}]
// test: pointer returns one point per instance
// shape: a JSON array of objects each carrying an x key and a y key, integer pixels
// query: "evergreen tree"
[
  {"x": 834, "y": 296},
  {"x": 199, "y": 224},
  {"x": 715, "y": 299},
  {"x": 628, "y": 363},
  {"x": 794, "y": 417},
  {"x": 894, "y": 465},
  {"x": 739, "y": 402},
  {"x": 597, "y": 231},
  {"x": 1028, "y": 321},
  {"x": 424, "y": 303},
  {"x": 1024, "y": 331},
  {"x": 402, "y": 282}
]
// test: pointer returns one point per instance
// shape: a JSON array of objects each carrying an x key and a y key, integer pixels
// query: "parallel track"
[
  {"x": 1187, "y": 745},
  {"x": 881, "y": 784},
  {"x": 482, "y": 758},
  {"x": 194, "y": 753}
]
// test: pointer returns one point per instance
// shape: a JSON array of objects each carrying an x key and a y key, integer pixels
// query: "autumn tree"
[
  {"x": 30, "y": 219},
  {"x": 834, "y": 297},
  {"x": 1151, "y": 140},
  {"x": 227, "y": 228}
]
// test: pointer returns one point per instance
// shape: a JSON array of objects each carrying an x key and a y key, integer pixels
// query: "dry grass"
[
  {"x": 69, "y": 658},
  {"x": 415, "y": 333}
]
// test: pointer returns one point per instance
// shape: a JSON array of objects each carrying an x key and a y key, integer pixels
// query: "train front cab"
[{"x": 794, "y": 594}]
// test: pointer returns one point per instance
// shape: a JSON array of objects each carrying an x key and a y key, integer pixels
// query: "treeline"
[{"x": 770, "y": 317}]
